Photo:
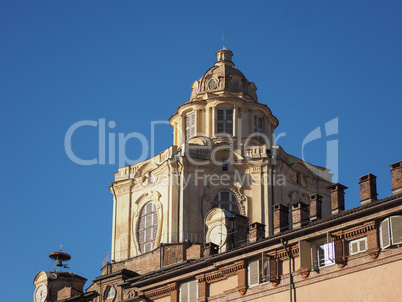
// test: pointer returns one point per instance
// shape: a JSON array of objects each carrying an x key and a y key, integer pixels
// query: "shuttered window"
[
  {"x": 384, "y": 231},
  {"x": 226, "y": 200},
  {"x": 396, "y": 228},
  {"x": 189, "y": 291},
  {"x": 259, "y": 127},
  {"x": 253, "y": 272},
  {"x": 358, "y": 246},
  {"x": 257, "y": 270},
  {"x": 190, "y": 125},
  {"x": 391, "y": 231},
  {"x": 147, "y": 227},
  {"x": 224, "y": 121}
]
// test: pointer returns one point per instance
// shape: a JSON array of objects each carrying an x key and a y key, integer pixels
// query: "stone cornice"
[
  {"x": 222, "y": 273},
  {"x": 354, "y": 232},
  {"x": 161, "y": 292}
]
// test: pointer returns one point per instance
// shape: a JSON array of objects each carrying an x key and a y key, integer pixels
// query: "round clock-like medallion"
[
  {"x": 218, "y": 235},
  {"x": 40, "y": 294},
  {"x": 212, "y": 84}
]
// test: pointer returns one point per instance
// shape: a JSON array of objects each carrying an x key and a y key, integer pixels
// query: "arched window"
[
  {"x": 147, "y": 227},
  {"x": 226, "y": 200},
  {"x": 110, "y": 292}
]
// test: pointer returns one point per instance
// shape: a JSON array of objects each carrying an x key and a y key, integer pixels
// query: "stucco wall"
[
  {"x": 381, "y": 283},
  {"x": 217, "y": 288}
]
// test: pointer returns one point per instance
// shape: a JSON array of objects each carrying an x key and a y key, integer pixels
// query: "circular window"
[
  {"x": 226, "y": 200},
  {"x": 212, "y": 84},
  {"x": 147, "y": 227}
]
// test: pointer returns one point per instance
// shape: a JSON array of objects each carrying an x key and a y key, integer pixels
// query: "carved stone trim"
[
  {"x": 200, "y": 278},
  {"x": 129, "y": 293},
  {"x": 355, "y": 232},
  {"x": 223, "y": 272},
  {"x": 304, "y": 272},
  {"x": 281, "y": 254},
  {"x": 161, "y": 292},
  {"x": 374, "y": 254}
]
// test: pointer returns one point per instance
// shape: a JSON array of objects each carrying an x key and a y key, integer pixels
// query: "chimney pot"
[
  {"x": 368, "y": 188},
  {"x": 281, "y": 218},
  {"x": 256, "y": 231},
  {"x": 337, "y": 198},
  {"x": 299, "y": 215},
  {"x": 315, "y": 207},
  {"x": 396, "y": 176},
  {"x": 210, "y": 249}
]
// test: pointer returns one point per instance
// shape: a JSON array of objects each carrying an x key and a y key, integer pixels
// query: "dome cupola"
[{"x": 224, "y": 79}]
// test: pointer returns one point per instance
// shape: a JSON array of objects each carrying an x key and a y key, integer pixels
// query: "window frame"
[
  {"x": 327, "y": 260},
  {"x": 392, "y": 225},
  {"x": 142, "y": 241},
  {"x": 190, "y": 124},
  {"x": 358, "y": 241},
  {"x": 298, "y": 178},
  {"x": 231, "y": 202},
  {"x": 188, "y": 286},
  {"x": 108, "y": 291},
  {"x": 259, "y": 127},
  {"x": 225, "y": 121},
  {"x": 262, "y": 265}
]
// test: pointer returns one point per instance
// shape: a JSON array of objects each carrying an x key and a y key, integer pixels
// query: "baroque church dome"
[{"x": 224, "y": 79}]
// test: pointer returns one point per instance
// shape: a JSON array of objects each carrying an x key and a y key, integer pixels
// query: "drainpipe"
[{"x": 290, "y": 271}]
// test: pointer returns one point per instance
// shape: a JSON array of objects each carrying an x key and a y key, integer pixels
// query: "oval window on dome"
[
  {"x": 147, "y": 227},
  {"x": 236, "y": 85},
  {"x": 212, "y": 84},
  {"x": 226, "y": 200}
]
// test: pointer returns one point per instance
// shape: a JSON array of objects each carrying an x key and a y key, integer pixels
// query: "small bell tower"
[
  {"x": 58, "y": 284},
  {"x": 60, "y": 257}
]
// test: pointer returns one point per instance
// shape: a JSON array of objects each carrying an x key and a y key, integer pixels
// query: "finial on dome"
[{"x": 224, "y": 55}]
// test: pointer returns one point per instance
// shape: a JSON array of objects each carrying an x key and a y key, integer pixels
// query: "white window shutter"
[
  {"x": 396, "y": 229},
  {"x": 385, "y": 234},
  {"x": 363, "y": 244},
  {"x": 184, "y": 292},
  {"x": 354, "y": 247},
  {"x": 253, "y": 272},
  {"x": 193, "y": 291}
]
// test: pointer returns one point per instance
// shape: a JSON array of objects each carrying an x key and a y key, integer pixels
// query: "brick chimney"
[
  {"x": 315, "y": 207},
  {"x": 337, "y": 198},
  {"x": 281, "y": 218},
  {"x": 396, "y": 176},
  {"x": 368, "y": 188},
  {"x": 256, "y": 231},
  {"x": 210, "y": 249},
  {"x": 300, "y": 215}
]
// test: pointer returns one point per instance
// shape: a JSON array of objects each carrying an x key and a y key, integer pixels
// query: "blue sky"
[{"x": 133, "y": 62}]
